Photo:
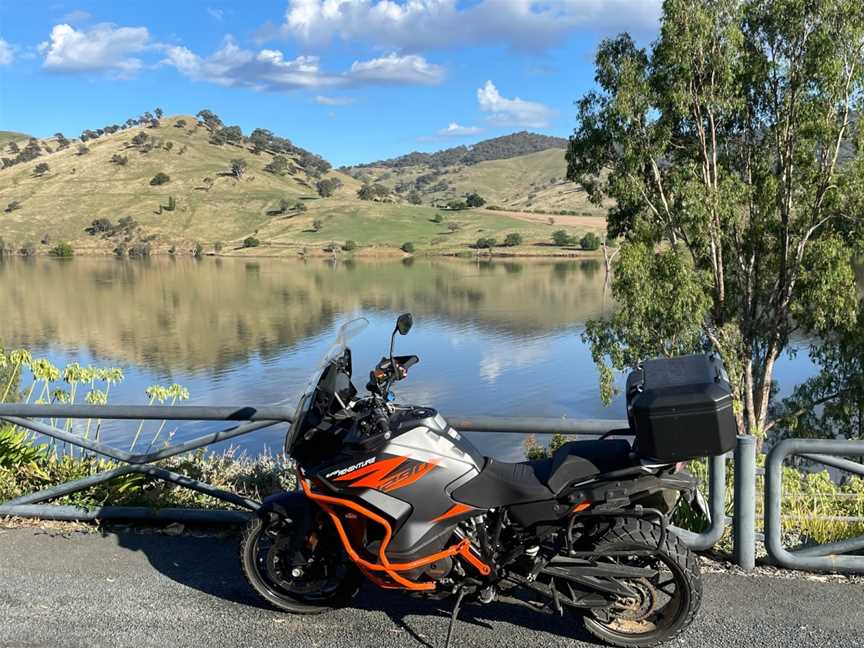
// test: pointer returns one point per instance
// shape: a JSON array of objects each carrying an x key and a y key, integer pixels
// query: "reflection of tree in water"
[{"x": 180, "y": 314}]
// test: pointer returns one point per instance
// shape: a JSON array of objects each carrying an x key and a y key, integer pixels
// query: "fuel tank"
[{"x": 409, "y": 478}]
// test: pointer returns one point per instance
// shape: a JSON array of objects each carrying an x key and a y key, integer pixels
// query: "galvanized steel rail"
[
  {"x": 827, "y": 557},
  {"x": 256, "y": 418}
]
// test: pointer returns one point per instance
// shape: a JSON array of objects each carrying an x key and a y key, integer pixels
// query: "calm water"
[{"x": 499, "y": 337}]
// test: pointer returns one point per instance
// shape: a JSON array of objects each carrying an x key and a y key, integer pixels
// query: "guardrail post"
[{"x": 744, "y": 520}]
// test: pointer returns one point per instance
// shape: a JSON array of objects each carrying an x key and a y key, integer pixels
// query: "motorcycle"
[{"x": 393, "y": 494}]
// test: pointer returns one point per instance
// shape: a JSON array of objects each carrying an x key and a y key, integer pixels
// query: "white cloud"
[
  {"x": 452, "y": 130},
  {"x": 216, "y": 14},
  {"x": 410, "y": 69},
  {"x": 7, "y": 53},
  {"x": 104, "y": 47},
  {"x": 455, "y": 130},
  {"x": 421, "y": 24},
  {"x": 268, "y": 69},
  {"x": 513, "y": 112},
  {"x": 76, "y": 16},
  {"x": 334, "y": 101}
]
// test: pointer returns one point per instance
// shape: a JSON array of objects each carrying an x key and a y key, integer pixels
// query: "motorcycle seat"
[
  {"x": 580, "y": 460},
  {"x": 503, "y": 484}
]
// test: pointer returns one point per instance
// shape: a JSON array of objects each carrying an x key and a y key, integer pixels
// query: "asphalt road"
[{"x": 141, "y": 590}]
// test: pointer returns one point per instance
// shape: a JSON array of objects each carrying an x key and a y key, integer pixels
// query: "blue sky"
[{"x": 353, "y": 80}]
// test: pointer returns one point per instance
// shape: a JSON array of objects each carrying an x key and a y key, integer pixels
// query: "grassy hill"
[
  {"x": 533, "y": 181},
  {"x": 112, "y": 180},
  {"x": 12, "y": 136}
]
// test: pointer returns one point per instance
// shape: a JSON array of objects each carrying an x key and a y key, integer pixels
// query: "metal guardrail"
[
  {"x": 257, "y": 418},
  {"x": 827, "y": 557}
]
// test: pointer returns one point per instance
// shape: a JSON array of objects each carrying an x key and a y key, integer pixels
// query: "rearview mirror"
[{"x": 404, "y": 323}]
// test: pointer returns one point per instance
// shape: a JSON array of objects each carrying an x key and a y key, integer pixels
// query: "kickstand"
[{"x": 454, "y": 615}]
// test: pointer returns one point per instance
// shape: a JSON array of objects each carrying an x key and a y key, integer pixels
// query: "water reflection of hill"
[{"x": 187, "y": 315}]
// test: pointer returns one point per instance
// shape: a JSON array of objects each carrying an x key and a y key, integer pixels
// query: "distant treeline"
[{"x": 498, "y": 148}]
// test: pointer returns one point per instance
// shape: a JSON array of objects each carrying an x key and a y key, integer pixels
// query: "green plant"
[
  {"x": 159, "y": 179},
  {"x": 438, "y": 218},
  {"x": 513, "y": 239},
  {"x": 12, "y": 206},
  {"x": 217, "y": 246},
  {"x": 120, "y": 160},
  {"x": 251, "y": 242},
  {"x": 238, "y": 167},
  {"x": 727, "y": 150},
  {"x": 407, "y": 247},
  {"x": 317, "y": 224},
  {"x": 474, "y": 200},
  {"x": 486, "y": 243},
  {"x": 590, "y": 242},
  {"x": 41, "y": 169},
  {"x": 561, "y": 238},
  {"x": 349, "y": 245},
  {"x": 62, "y": 250},
  {"x": 198, "y": 250}
]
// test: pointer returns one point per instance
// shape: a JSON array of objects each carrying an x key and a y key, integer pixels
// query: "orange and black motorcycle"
[{"x": 393, "y": 494}]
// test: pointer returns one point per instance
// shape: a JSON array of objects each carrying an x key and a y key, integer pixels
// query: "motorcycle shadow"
[{"x": 210, "y": 564}]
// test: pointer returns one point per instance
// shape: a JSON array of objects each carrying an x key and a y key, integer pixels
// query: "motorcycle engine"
[{"x": 439, "y": 569}]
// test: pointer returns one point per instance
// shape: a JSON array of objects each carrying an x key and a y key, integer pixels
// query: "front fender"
[{"x": 289, "y": 506}]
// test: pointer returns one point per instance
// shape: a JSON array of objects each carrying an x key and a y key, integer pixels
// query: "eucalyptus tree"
[{"x": 731, "y": 153}]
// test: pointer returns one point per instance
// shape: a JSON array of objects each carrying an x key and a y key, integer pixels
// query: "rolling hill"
[
  {"x": 167, "y": 185},
  {"x": 521, "y": 172}
]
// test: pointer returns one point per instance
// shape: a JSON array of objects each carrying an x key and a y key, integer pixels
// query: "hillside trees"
[
  {"x": 238, "y": 167},
  {"x": 278, "y": 165},
  {"x": 41, "y": 169},
  {"x": 328, "y": 186},
  {"x": 720, "y": 148},
  {"x": 474, "y": 200},
  {"x": 373, "y": 192}
]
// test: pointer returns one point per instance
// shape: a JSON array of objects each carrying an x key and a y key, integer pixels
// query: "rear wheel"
[
  {"x": 296, "y": 571},
  {"x": 662, "y": 606}
]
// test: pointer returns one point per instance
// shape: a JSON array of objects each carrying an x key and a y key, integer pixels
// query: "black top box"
[{"x": 681, "y": 408}]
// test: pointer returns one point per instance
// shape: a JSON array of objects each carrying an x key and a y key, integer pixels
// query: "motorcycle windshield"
[{"x": 344, "y": 334}]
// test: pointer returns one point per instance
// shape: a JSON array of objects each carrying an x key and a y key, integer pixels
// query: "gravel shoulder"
[{"x": 92, "y": 589}]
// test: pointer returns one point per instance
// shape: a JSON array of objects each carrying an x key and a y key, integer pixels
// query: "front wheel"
[
  {"x": 298, "y": 570},
  {"x": 662, "y": 606}
]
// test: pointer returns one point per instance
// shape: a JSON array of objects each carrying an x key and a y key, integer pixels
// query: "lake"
[{"x": 494, "y": 337}]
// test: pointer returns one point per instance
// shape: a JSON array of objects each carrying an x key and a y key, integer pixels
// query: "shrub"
[
  {"x": 317, "y": 224},
  {"x": 277, "y": 165},
  {"x": 139, "y": 250},
  {"x": 100, "y": 226},
  {"x": 328, "y": 186},
  {"x": 474, "y": 200},
  {"x": 561, "y": 238},
  {"x": 217, "y": 246},
  {"x": 28, "y": 249},
  {"x": 457, "y": 205},
  {"x": 438, "y": 218},
  {"x": 454, "y": 227},
  {"x": 159, "y": 179},
  {"x": 120, "y": 250},
  {"x": 299, "y": 206},
  {"x": 238, "y": 167},
  {"x": 41, "y": 169},
  {"x": 120, "y": 160},
  {"x": 172, "y": 204},
  {"x": 414, "y": 197},
  {"x": 349, "y": 245},
  {"x": 486, "y": 243},
  {"x": 551, "y": 221},
  {"x": 62, "y": 250},
  {"x": 373, "y": 192},
  {"x": 198, "y": 250},
  {"x": 251, "y": 242},
  {"x": 180, "y": 123},
  {"x": 407, "y": 247},
  {"x": 590, "y": 242},
  {"x": 513, "y": 239},
  {"x": 12, "y": 206}
]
